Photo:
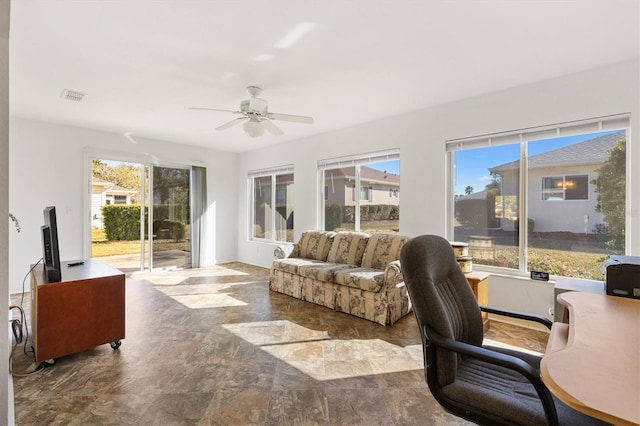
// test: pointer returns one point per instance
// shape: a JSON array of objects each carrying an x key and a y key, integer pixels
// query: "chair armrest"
[
  {"x": 520, "y": 315},
  {"x": 497, "y": 358},
  {"x": 393, "y": 273},
  {"x": 283, "y": 251},
  {"x": 478, "y": 352}
]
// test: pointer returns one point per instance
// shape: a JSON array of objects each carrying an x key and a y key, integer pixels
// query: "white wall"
[
  {"x": 421, "y": 138},
  {"x": 48, "y": 166},
  {"x": 6, "y": 382}
]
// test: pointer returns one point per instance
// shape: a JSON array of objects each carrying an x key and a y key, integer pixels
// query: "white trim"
[
  {"x": 569, "y": 128},
  {"x": 352, "y": 160},
  {"x": 268, "y": 171}
]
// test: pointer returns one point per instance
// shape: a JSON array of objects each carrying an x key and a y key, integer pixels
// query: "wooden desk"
[
  {"x": 84, "y": 310},
  {"x": 593, "y": 363}
]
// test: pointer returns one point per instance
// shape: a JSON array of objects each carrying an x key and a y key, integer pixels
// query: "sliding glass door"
[
  {"x": 141, "y": 214},
  {"x": 171, "y": 212},
  {"x": 118, "y": 223}
]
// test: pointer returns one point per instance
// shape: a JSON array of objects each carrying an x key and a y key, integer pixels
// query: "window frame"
[
  {"x": 523, "y": 137},
  {"x": 273, "y": 173},
  {"x": 563, "y": 187},
  {"x": 355, "y": 161}
]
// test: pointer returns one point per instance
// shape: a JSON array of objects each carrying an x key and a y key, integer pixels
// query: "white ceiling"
[{"x": 144, "y": 62}]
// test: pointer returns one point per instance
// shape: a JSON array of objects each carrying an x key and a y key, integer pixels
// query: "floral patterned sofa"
[{"x": 351, "y": 272}]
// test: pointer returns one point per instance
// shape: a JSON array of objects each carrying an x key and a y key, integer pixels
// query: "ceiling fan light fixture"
[{"x": 253, "y": 127}]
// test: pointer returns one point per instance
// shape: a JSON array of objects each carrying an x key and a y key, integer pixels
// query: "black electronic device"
[
  {"x": 623, "y": 276},
  {"x": 50, "y": 249},
  {"x": 539, "y": 275}
]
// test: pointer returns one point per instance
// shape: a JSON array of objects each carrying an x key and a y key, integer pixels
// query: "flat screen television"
[{"x": 50, "y": 250}]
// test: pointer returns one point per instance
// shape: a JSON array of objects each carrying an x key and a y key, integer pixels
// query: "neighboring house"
[
  {"x": 376, "y": 187},
  {"x": 561, "y": 197},
  {"x": 104, "y": 193}
]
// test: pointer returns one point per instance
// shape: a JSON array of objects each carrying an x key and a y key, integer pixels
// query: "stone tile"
[
  {"x": 215, "y": 346},
  {"x": 365, "y": 407},
  {"x": 298, "y": 407}
]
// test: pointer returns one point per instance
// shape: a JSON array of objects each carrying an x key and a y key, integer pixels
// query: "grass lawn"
[{"x": 101, "y": 247}]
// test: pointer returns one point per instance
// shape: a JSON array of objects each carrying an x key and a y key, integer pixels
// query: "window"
[
  {"x": 119, "y": 199},
  {"x": 365, "y": 193},
  {"x": 361, "y": 192},
  {"x": 272, "y": 201},
  {"x": 565, "y": 187},
  {"x": 563, "y": 213}
]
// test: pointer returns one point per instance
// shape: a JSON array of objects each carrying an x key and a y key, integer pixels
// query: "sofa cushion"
[
  {"x": 321, "y": 271},
  {"x": 315, "y": 244},
  {"x": 291, "y": 264},
  {"x": 382, "y": 249},
  {"x": 348, "y": 248},
  {"x": 367, "y": 279}
]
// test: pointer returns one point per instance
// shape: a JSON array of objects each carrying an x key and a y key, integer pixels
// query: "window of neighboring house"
[
  {"x": 119, "y": 199},
  {"x": 272, "y": 204},
  {"x": 565, "y": 187},
  {"x": 354, "y": 192},
  {"x": 365, "y": 193},
  {"x": 511, "y": 216}
]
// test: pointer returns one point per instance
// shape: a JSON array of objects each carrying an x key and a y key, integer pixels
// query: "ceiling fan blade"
[
  {"x": 271, "y": 128},
  {"x": 288, "y": 117},
  {"x": 230, "y": 123},
  {"x": 215, "y": 109}
]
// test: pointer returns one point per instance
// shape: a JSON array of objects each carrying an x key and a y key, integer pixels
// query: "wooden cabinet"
[
  {"x": 84, "y": 310},
  {"x": 479, "y": 282}
]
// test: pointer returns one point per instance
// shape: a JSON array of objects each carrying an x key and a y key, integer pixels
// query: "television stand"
[{"x": 85, "y": 309}]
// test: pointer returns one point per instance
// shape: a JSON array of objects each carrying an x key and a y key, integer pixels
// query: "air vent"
[{"x": 72, "y": 95}]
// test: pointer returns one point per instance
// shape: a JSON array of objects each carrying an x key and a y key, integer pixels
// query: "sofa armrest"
[
  {"x": 393, "y": 274},
  {"x": 286, "y": 250}
]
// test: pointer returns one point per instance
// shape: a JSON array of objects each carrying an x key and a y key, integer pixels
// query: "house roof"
[
  {"x": 591, "y": 151},
  {"x": 369, "y": 174},
  {"x": 111, "y": 187},
  {"x": 100, "y": 182},
  {"x": 480, "y": 195}
]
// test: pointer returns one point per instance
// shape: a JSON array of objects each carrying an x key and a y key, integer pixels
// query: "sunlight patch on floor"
[
  {"x": 203, "y": 301},
  {"x": 317, "y": 355},
  {"x": 497, "y": 344}
]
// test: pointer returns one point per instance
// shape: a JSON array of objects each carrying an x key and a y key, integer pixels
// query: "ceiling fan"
[{"x": 256, "y": 117}]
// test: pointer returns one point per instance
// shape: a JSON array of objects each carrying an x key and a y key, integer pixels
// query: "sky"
[
  {"x": 472, "y": 166},
  {"x": 392, "y": 166}
]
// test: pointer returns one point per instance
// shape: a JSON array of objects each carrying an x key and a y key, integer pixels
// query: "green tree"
[
  {"x": 611, "y": 188},
  {"x": 468, "y": 190},
  {"x": 123, "y": 174}
]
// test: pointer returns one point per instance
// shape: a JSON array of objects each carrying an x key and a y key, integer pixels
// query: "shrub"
[
  {"x": 349, "y": 213},
  {"x": 121, "y": 222},
  {"x": 332, "y": 216},
  {"x": 168, "y": 229},
  {"x": 472, "y": 212},
  {"x": 394, "y": 213},
  {"x": 530, "y": 225},
  {"x": 371, "y": 212},
  {"x": 179, "y": 212}
]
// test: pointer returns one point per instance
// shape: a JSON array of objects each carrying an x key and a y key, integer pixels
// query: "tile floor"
[{"x": 214, "y": 346}]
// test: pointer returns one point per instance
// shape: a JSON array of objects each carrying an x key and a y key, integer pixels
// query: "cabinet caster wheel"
[
  {"x": 115, "y": 345},
  {"x": 49, "y": 362}
]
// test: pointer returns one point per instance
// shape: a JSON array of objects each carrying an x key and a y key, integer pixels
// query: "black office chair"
[{"x": 483, "y": 384}]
